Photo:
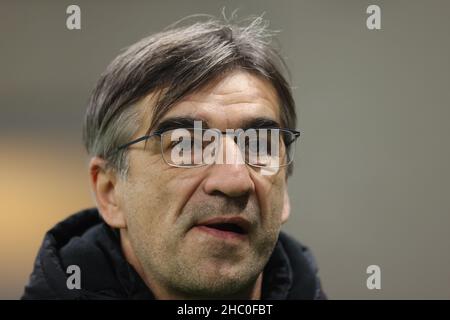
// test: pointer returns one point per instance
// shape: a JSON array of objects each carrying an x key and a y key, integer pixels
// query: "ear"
[
  {"x": 286, "y": 207},
  {"x": 104, "y": 186}
]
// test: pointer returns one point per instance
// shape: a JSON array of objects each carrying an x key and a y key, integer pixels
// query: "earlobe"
[
  {"x": 286, "y": 207},
  {"x": 103, "y": 183}
]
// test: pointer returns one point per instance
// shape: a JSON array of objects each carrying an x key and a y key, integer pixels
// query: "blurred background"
[{"x": 372, "y": 177}]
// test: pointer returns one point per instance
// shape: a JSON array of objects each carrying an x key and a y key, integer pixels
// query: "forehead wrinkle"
[
  {"x": 217, "y": 106},
  {"x": 218, "y": 95},
  {"x": 239, "y": 86},
  {"x": 219, "y": 117}
]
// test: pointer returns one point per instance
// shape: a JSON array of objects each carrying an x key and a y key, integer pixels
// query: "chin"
[
  {"x": 220, "y": 289},
  {"x": 221, "y": 284}
]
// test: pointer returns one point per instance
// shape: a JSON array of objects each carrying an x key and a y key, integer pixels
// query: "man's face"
[{"x": 171, "y": 213}]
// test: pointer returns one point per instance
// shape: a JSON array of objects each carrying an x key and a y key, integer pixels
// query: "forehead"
[{"x": 230, "y": 101}]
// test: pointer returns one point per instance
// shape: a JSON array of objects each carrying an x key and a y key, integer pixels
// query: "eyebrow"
[
  {"x": 188, "y": 122},
  {"x": 260, "y": 123},
  {"x": 178, "y": 123}
]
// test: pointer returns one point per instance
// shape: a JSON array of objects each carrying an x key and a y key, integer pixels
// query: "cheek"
[
  {"x": 142, "y": 198},
  {"x": 271, "y": 198},
  {"x": 145, "y": 185},
  {"x": 147, "y": 228},
  {"x": 141, "y": 207},
  {"x": 277, "y": 206},
  {"x": 154, "y": 199}
]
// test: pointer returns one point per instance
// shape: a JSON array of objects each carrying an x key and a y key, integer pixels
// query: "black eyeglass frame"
[{"x": 158, "y": 133}]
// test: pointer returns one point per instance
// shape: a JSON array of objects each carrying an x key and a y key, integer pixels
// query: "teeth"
[{"x": 231, "y": 227}]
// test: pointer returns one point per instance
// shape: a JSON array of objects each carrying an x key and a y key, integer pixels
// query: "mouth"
[{"x": 225, "y": 227}]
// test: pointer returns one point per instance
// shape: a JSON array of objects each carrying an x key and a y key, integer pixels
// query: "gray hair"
[{"x": 174, "y": 63}]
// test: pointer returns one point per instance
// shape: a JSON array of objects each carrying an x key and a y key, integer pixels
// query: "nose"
[{"x": 231, "y": 176}]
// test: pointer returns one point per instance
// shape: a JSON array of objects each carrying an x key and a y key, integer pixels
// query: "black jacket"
[{"x": 85, "y": 240}]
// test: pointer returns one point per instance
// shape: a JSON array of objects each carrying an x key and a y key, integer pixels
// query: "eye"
[
  {"x": 174, "y": 143},
  {"x": 252, "y": 145}
]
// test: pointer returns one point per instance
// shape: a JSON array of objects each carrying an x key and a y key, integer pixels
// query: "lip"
[{"x": 205, "y": 226}]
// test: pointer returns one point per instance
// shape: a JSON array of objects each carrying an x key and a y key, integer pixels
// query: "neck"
[{"x": 163, "y": 293}]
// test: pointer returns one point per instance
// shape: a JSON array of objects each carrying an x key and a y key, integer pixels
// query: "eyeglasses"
[{"x": 194, "y": 147}]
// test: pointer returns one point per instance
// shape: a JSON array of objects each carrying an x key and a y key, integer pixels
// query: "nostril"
[
  {"x": 236, "y": 204},
  {"x": 229, "y": 182}
]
